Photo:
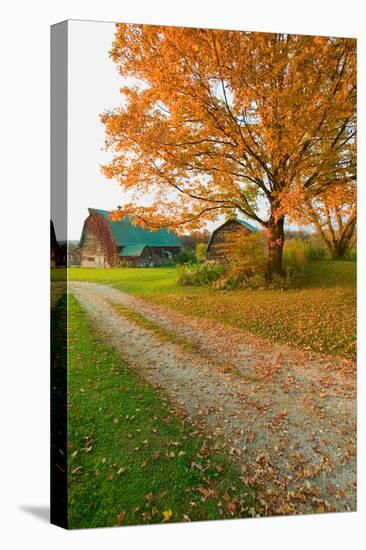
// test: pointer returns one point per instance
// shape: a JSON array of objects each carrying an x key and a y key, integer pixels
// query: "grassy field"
[
  {"x": 321, "y": 316},
  {"x": 132, "y": 458}
]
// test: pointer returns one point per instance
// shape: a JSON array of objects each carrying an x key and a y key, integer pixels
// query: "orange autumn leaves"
[{"x": 222, "y": 121}]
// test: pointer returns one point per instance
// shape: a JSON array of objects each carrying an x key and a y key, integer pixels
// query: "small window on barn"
[{"x": 90, "y": 259}]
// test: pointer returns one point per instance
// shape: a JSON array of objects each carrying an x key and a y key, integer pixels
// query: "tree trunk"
[
  {"x": 336, "y": 253},
  {"x": 338, "y": 240},
  {"x": 275, "y": 247},
  {"x": 344, "y": 244}
]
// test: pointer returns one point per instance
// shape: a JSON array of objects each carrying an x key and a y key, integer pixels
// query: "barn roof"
[
  {"x": 242, "y": 222},
  {"x": 246, "y": 224},
  {"x": 126, "y": 234},
  {"x": 132, "y": 250}
]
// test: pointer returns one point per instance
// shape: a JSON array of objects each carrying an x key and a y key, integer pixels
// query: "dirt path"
[{"x": 289, "y": 419}]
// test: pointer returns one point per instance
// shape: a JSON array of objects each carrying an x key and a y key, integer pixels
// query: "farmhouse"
[
  {"x": 107, "y": 243},
  {"x": 224, "y": 237}
]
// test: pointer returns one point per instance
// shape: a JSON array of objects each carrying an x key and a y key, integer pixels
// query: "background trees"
[
  {"x": 231, "y": 122},
  {"x": 335, "y": 223}
]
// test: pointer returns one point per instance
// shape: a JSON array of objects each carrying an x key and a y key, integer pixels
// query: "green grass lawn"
[
  {"x": 132, "y": 458},
  {"x": 139, "y": 281},
  {"x": 321, "y": 316}
]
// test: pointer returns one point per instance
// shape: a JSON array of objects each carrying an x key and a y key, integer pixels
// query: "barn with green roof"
[{"x": 107, "y": 243}]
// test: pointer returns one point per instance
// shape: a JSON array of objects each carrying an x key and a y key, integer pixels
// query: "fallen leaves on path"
[{"x": 288, "y": 417}]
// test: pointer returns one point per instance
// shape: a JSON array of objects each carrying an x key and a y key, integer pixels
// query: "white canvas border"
[{"x": 25, "y": 186}]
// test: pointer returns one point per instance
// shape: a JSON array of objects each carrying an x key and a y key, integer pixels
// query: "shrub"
[
  {"x": 295, "y": 254},
  {"x": 185, "y": 257},
  {"x": 201, "y": 251},
  {"x": 351, "y": 255},
  {"x": 249, "y": 261},
  {"x": 202, "y": 274},
  {"x": 249, "y": 253},
  {"x": 315, "y": 251},
  {"x": 256, "y": 281},
  {"x": 235, "y": 279}
]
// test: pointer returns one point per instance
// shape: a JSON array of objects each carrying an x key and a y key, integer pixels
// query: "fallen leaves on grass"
[
  {"x": 167, "y": 514},
  {"x": 120, "y": 517}
]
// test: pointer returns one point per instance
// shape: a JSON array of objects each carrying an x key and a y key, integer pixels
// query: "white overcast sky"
[{"x": 94, "y": 86}]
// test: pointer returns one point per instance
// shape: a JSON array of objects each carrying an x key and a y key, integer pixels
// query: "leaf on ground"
[
  {"x": 167, "y": 514},
  {"x": 120, "y": 517}
]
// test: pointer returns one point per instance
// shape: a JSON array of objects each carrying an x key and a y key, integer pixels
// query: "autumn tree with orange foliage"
[
  {"x": 230, "y": 122},
  {"x": 332, "y": 210},
  {"x": 335, "y": 221}
]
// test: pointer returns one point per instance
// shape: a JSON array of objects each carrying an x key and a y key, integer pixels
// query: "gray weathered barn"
[{"x": 224, "y": 238}]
